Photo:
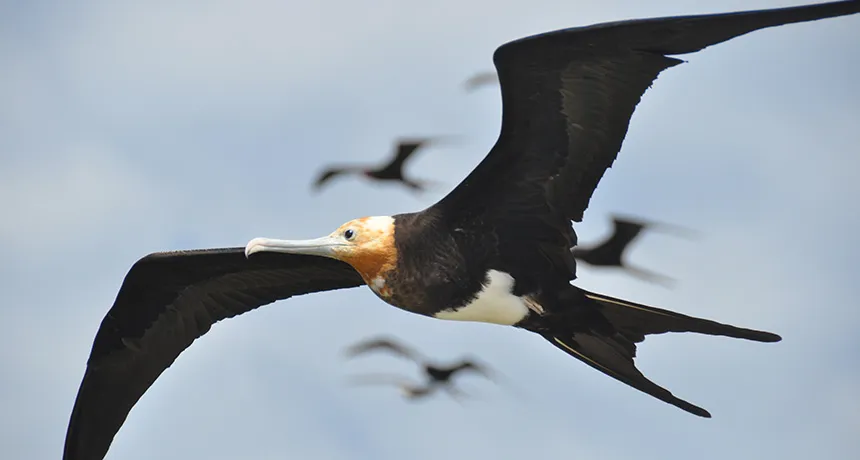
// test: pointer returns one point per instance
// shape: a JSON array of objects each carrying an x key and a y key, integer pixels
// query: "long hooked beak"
[{"x": 316, "y": 247}]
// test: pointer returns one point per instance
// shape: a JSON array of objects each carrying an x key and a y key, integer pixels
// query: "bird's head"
[{"x": 366, "y": 243}]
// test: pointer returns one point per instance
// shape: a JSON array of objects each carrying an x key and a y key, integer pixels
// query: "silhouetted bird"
[
  {"x": 392, "y": 171},
  {"x": 481, "y": 79},
  {"x": 610, "y": 252},
  {"x": 437, "y": 374}
]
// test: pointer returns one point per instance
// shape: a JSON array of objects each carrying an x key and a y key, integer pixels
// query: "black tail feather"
[
  {"x": 603, "y": 333},
  {"x": 599, "y": 353},
  {"x": 641, "y": 320}
]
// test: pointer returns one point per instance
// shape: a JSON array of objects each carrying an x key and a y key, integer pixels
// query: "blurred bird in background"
[
  {"x": 611, "y": 251},
  {"x": 437, "y": 375},
  {"x": 391, "y": 171}
]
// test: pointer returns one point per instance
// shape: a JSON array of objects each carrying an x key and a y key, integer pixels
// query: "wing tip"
[
  {"x": 692, "y": 408},
  {"x": 760, "y": 336},
  {"x": 770, "y": 337}
]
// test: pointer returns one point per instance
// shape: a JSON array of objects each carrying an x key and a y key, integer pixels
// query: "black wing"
[
  {"x": 480, "y": 79},
  {"x": 166, "y": 301},
  {"x": 405, "y": 149},
  {"x": 473, "y": 366},
  {"x": 331, "y": 173},
  {"x": 611, "y": 250},
  {"x": 384, "y": 344},
  {"x": 567, "y": 99}
]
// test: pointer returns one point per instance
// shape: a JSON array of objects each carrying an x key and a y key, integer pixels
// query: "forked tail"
[
  {"x": 607, "y": 341},
  {"x": 637, "y": 321}
]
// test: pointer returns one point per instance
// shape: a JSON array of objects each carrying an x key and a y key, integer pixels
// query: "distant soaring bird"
[
  {"x": 392, "y": 171},
  {"x": 610, "y": 252},
  {"x": 496, "y": 249},
  {"x": 481, "y": 79},
  {"x": 436, "y": 373}
]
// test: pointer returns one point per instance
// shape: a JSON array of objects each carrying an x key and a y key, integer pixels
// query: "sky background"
[{"x": 133, "y": 127}]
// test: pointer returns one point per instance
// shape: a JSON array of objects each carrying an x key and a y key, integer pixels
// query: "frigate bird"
[
  {"x": 391, "y": 171},
  {"x": 496, "y": 249},
  {"x": 480, "y": 79},
  {"x": 434, "y": 372},
  {"x": 610, "y": 252}
]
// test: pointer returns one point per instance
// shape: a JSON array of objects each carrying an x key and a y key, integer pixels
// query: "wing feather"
[
  {"x": 167, "y": 301},
  {"x": 610, "y": 251},
  {"x": 405, "y": 149},
  {"x": 567, "y": 100}
]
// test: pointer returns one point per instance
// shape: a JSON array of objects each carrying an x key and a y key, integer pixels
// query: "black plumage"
[
  {"x": 480, "y": 79},
  {"x": 391, "y": 171},
  {"x": 610, "y": 252},
  {"x": 436, "y": 374},
  {"x": 167, "y": 301},
  {"x": 567, "y": 97}
]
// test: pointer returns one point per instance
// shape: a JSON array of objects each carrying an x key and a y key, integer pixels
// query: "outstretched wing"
[
  {"x": 567, "y": 99},
  {"x": 610, "y": 251},
  {"x": 330, "y": 173},
  {"x": 480, "y": 79},
  {"x": 384, "y": 344},
  {"x": 474, "y": 366},
  {"x": 624, "y": 232},
  {"x": 405, "y": 149},
  {"x": 166, "y": 301}
]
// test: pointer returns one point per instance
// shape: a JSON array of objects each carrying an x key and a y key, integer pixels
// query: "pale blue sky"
[{"x": 133, "y": 127}]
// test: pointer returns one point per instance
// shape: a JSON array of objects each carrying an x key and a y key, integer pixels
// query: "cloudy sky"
[{"x": 133, "y": 127}]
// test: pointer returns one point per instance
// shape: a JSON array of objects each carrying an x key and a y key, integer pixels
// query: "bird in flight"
[
  {"x": 436, "y": 374},
  {"x": 496, "y": 249},
  {"x": 391, "y": 171},
  {"x": 610, "y": 252},
  {"x": 480, "y": 79}
]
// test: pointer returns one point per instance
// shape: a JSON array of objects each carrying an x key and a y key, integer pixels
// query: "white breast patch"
[{"x": 494, "y": 304}]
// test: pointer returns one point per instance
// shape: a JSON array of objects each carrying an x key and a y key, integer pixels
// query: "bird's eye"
[{"x": 349, "y": 234}]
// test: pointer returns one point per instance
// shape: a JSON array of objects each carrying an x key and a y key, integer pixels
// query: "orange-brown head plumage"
[
  {"x": 367, "y": 244},
  {"x": 371, "y": 250}
]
